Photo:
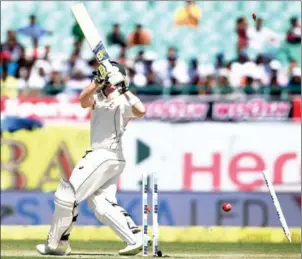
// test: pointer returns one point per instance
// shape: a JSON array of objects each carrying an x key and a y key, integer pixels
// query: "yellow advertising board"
[
  {"x": 38, "y": 159},
  {"x": 195, "y": 234}
]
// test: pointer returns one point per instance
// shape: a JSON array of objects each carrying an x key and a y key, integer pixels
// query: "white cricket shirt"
[{"x": 108, "y": 121}]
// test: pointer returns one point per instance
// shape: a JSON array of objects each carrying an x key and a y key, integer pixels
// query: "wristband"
[{"x": 133, "y": 100}]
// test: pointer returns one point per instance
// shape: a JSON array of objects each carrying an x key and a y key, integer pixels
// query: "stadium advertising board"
[
  {"x": 187, "y": 157},
  {"x": 176, "y": 208},
  {"x": 296, "y": 114},
  {"x": 173, "y": 109}
]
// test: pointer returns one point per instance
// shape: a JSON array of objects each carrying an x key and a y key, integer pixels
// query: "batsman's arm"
[
  {"x": 138, "y": 108},
  {"x": 86, "y": 96}
]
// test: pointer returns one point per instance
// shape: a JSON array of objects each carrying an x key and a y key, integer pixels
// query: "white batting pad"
[
  {"x": 62, "y": 218},
  {"x": 112, "y": 217}
]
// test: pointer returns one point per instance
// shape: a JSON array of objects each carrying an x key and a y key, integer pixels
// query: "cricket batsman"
[{"x": 95, "y": 176}]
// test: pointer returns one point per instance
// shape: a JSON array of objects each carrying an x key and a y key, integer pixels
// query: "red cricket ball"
[
  {"x": 226, "y": 207},
  {"x": 148, "y": 208}
]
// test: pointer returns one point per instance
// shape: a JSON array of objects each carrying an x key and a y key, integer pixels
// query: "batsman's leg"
[
  {"x": 65, "y": 236},
  {"x": 89, "y": 174},
  {"x": 106, "y": 209},
  {"x": 132, "y": 249},
  {"x": 62, "y": 220}
]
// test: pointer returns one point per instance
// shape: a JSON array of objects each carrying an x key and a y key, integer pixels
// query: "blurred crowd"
[{"x": 34, "y": 70}]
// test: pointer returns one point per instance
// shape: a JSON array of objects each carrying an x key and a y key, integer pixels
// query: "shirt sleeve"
[
  {"x": 128, "y": 109},
  {"x": 23, "y": 30}
]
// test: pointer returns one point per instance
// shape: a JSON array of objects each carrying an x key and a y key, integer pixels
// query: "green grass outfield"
[{"x": 101, "y": 249}]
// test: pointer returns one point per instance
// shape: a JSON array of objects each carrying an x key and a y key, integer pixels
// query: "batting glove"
[
  {"x": 96, "y": 76},
  {"x": 114, "y": 76}
]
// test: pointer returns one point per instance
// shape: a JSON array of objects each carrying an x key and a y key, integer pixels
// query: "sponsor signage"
[
  {"x": 214, "y": 156},
  {"x": 175, "y": 208},
  {"x": 172, "y": 109},
  {"x": 47, "y": 109},
  {"x": 250, "y": 110},
  {"x": 186, "y": 157},
  {"x": 297, "y": 108}
]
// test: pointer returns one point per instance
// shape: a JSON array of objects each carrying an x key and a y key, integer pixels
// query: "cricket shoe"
[
  {"x": 137, "y": 247},
  {"x": 62, "y": 249}
]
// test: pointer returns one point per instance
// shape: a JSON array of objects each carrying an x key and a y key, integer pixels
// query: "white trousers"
[
  {"x": 97, "y": 171},
  {"x": 94, "y": 178}
]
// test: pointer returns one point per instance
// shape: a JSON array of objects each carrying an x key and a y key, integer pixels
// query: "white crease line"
[{"x": 99, "y": 254}]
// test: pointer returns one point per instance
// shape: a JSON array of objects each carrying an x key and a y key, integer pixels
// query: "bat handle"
[{"x": 107, "y": 65}]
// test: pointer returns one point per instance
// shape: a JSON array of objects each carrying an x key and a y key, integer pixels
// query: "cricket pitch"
[{"x": 99, "y": 249}]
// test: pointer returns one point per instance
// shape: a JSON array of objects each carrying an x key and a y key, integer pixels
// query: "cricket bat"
[{"x": 92, "y": 36}]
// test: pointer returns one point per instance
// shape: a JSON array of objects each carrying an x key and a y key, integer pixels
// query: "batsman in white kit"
[{"x": 95, "y": 176}]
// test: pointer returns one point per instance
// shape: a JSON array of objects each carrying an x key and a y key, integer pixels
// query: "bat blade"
[
  {"x": 91, "y": 34},
  {"x": 81, "y": 15}
]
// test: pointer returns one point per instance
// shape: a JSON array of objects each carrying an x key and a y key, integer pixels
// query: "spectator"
[
  {"x": 171, "y": 71},
  {"x": 238, "y": 70},
  {"x": 293, "y": 35},
  {"x": 122, "y": 59},
  {"x": 151, "y": 78},
  {"x": 292, "y": 66},
  {"x": 139, "y": 79},
  {"x": 10, "y": 53},
  {"x": 219, "y": 61},
  {"x": 193, "y": 72},
  {"x": 277, "y": 76},
  {"x": 223, "y": 77},
  {"x": 76, "y": 63},
  {"x": 207, "y": 86},
  {"x": 55, "y": 86},
  {"x": 143, "y": 66},
  {"x": 140, "y": 63},
  {"x": 249, "y": 85},
  {"x": 131, "y": 74},
  {"x": 39, "y": 74},
  {"x": 11, "y": 50},
  {"x": 35, "y": 52},
  {"x": 46, "y": 55},
  {"x": 38, "y": 52},
  {"x": 241, "y": 30},
  {"x": 93, "y": 64},
  {"x": 189, "y": 15},
  {"x": 294, "y": 85},
  {"x": 78, "y": 35},
  {"x": 259, "y": 38},
  {"x": 77, "y": 47},
  {"x": 223, "y": 84},
  {"x": 77, "y": 82},
  {"x": 23, "y": 75},
  {"x": 262, "y": 72},
  {"x": 34, "y": 30},
  {"x": 24, "y": 66},
  {"x": 116, "y": 37},
  {"x": 139, "y": 37}
]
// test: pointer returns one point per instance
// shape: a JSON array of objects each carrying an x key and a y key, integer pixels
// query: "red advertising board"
[
  {"x": 173, "y": 109},
  {"x": 297, "y": 108},
  {"x": 49, "y": 109}
]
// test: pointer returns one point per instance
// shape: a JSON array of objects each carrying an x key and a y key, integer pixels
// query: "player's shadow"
[{"x": 93, "y": 254}]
